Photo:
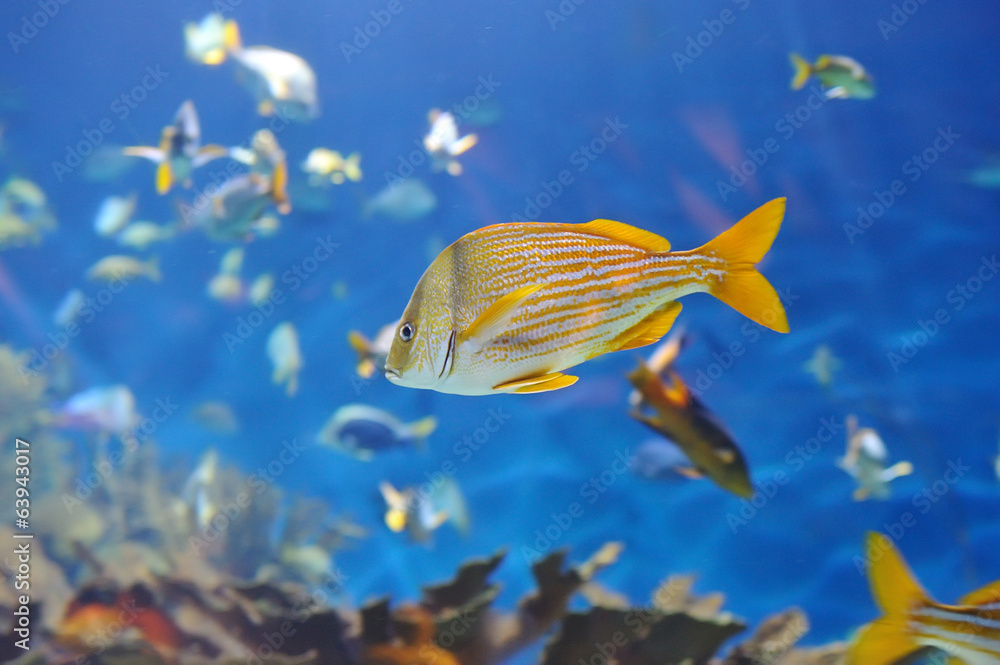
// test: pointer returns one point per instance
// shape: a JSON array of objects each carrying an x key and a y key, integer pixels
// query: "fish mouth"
[{"x": 392, "y": 373}]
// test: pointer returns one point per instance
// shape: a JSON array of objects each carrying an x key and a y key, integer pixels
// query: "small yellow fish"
[
  {"x": 260, "y": 289},
  {"x": 372, "y": 353},
  {"x": 283, "y": 350},
  {"x": 508, "y": 307},
  {"x": 842, "y": 77},
  {"x": 322, "y": 163},
  {"x": 118, "y": 266},
  {"x": 968, "y": 632},
  {"x": 141, "y": 235}
]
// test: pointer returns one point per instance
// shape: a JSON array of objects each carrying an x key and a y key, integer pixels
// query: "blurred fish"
[
  {"x": 69, "y": 307},
  {"x": 140, "y": 235},
  {"x": 114, "y": 213},
  {"x": 403, "y": 201},
  {"x": 986, "y": 177},
  {"x": 372, "y": 353},
  {"x": 310, "y": 563},
  {"x": 842, "y": 77},
  {"x": 679, "y": 416},
  {"x": 322, "y": 164},
  {"x": 866, "y": 460},
  {"x": 180, "y": 150},
  {"x": 215, "y": 416},
  {"x": 282, "y": 82},
  {"x": 16, "y": 232},
  {"x": 236, "y": 212},
  {"x": 264, "y": 154},
  {"x": 487, "y": 114},
  {"x": 421, "y": 511},
  {"x": 822, "y": 365},
  {"x": 283, "y": 350},
  {"x": 118, "y": 266},
  {"x": 507, "y": 307},
  {"x": 363, "y": 431},
  {"x": 107, "y": 163},
  {"x": 205, "y": 41},
  {"x": 23, "y": 192},
  {"x": 443, "y": 144},
  {"x": 996, "y": 464},
  {"x": 24, "y": 213},
  {"x": 200, "y": 494},
  {"x": 967, "y": 632},
  {"x": 658, "y": 459},
  {"x": 260, "y": 289},
  {"x": 225, "y": 288},
  {"x": 105, "y": 409},
  {"x": 226, "y": 285}
]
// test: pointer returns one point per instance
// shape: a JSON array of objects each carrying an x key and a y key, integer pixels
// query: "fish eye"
[{"x": 406, "y": 332}]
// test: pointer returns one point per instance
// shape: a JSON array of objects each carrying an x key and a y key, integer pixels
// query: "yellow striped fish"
[
  {"x": 508, "y": 307},
  {"x": 968, "y": 632}
]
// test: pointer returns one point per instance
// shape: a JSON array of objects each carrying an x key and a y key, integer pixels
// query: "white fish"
[
  {"x": 107, "y": 409},
  {"x": 443, "y": 142},
  {"x": 69, "y": 307},
  {"x": 114, "y": 213},
  {"x": 866, "y": 460},
  {"x": 140, "y": 235},
  {"x": 404, "y": 201},
  {"x": 205, "y": 41},
  {"x": 283, "y": 350},
  {"x": 282, "y": 82}
]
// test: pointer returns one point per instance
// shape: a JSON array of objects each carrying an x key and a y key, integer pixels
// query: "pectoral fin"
[
  {"x": 497, "y": 317},
  {"x": 537, "y": 384},
  {"x": 146, "y": 152},
  {"x": 689, "y": 472},
  {"x": 651, "y": 329},
  {"x": 207, "y": 153}
]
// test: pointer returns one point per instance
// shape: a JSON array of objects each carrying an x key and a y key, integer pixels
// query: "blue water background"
[{"x": 558, "y": 88}]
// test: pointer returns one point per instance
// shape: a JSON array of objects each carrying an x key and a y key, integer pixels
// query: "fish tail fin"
[
  {"x": 231, "y": 36},
  {"x": 361, "y": 346},
  {"x": 896, "y": 592},
  {"x": 279, "y": 187},
  {"x": 153, "y": 269},
  {"x": 803, "y": 70},
  {"x": 742, "y": 247},
  {"x": 423, "y": 428},
  {"x": 164, "y": 177}
]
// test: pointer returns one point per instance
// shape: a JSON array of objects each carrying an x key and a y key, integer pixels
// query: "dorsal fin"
[
  {"x": 627, "y": 234},
  {"x": 988, "y": 595}
]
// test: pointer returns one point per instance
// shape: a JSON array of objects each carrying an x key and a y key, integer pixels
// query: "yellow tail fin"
[
  {"x": 231, "y": 36},
  {"x": 742, "y": 247},
  {"x": 803, "y": 70},
  {"x": 423, "y": 428},
  {"x": 164, "y": 177},
  {"x": 896, "y": 592},
  {"x": 279, "y": 188}
]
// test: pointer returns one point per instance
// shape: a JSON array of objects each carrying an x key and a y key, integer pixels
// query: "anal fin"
[
  {"x": 537, "y": 384},
  {"x": 650, "y": 329}
]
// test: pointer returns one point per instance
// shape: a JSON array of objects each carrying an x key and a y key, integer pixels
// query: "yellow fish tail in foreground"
[
  {"x": 968, "y": 632},
  {"x": 508, "y": 307},
  {"x": 741, "y": 248},
  {"x": 803, "y": 70}
]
